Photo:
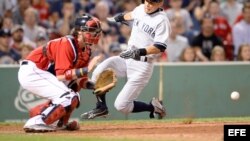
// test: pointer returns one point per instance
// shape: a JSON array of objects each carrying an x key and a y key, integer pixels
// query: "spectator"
[
  {"x": 244, "y": 52},
  {"x": 25, "y": 50},
  {"x": 102, "y": 12},
  {"x": 231, "y": 8},
  {"x": 18, "y": 38},
  {"x": 53, "y": 25},
  {"x": 188, "y": 55},
  {"x": 5, "y": 50},
  {"x": 124, "y": 33},
  {"x": 176, "y": 43},
  {"x": 110, "y": 30},
  {"x": 66, "y": 23},
  {"x": 240, "y": 17},
  {"x": 19, "y": 10},
  {"x": 218, "y": 54},
  {"x": 86, "y": 6},
  {"x": 5, "y": 5},
  {"x": 43, "y": 9},
  {"x": 222, "y": 28},
  {"x": 191, "y": 5},
  {"x": 128, "y": 5},
  {"x": 7, "y": 23},
  {"x": 241, "y": 31},
  {"x": 41, "y": 39},
  {"x": 30, "y": 26},
  {"x": 114, "y": 49},
  {"x": 206, "y": 40},
  {"x": 183, "y": 13},
  {"x": 200, "y": 11}
]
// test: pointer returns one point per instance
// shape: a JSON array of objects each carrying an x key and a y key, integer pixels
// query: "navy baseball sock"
[
  {"x": 101, "y": 101},
  {"x": 141, "y": 107}
]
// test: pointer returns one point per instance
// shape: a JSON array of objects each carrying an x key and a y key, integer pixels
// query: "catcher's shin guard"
[
  {"x": 64, "y": 120},
  {"x": 60, "y": 106},
  {"x": 53, "y": 113},
  {"x": 39, "y": 109}
]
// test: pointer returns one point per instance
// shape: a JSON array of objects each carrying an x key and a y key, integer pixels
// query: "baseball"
[
  {"x": 235, "y": 95},
  {"x": 73, "y": 125}
]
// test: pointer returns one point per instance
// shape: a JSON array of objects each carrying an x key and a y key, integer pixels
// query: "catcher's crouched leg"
[
  {"x": 37, "y": 110},
  {"x": 64, "y": 123},
  {"x": 61, "y": 107},
  {"x": 56, "y": 110}
]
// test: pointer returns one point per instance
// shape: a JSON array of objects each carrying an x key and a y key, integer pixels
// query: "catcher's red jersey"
[{"x": 63, "y": 52}]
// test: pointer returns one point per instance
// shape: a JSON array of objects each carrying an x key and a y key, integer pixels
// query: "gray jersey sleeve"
[{"x": 162, "y": 33}]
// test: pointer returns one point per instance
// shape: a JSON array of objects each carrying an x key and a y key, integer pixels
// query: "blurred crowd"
[{"x": 202, "y": 30}]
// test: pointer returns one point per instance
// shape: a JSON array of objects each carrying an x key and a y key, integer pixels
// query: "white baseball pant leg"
[
  {"x": 138, "y": 74},
  {"x": 116, "y": 63},
  {"x": 46, "y": 85}
]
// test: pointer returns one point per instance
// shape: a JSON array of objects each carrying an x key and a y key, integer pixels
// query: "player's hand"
[
  {"x": 111, "y": 19},
  {"x": 134, "y": 54},
  {"x": 118, "y": 18}
]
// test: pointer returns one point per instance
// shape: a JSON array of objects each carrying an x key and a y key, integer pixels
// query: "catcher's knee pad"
[
  {"x": 124, "y": 107},
  {"x": 37, "y": 110},
  {"x": 67, "y": 99}
]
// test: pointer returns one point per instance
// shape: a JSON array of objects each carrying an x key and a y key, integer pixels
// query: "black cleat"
[
  {"x": 158, "y": 109},
  {"x": 97, "y": 112}
]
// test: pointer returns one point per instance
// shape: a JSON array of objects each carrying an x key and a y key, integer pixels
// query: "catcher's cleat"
[
  {"x": 158, "y": 109},
  {"x": 97, "y": 112},
  {"x": 38, "y": 128}
]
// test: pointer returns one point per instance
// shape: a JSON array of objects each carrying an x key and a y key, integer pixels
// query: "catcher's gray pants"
[{"x": 138, "y": 74}]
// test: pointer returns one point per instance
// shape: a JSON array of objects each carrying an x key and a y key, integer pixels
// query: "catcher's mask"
[{"x": 91, "y": 27}]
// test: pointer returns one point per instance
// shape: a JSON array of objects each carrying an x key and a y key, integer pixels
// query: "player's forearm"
[
  {"x": 128, "y": 16},
  {"x": 152, "y": 50},
  {"x": 123, "y": 17},
  {"x": 138, "y": 53},
  {"x": 73, "y": 74}
]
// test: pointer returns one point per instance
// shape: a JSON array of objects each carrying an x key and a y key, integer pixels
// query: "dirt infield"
[{"x": 138, "y": 131}]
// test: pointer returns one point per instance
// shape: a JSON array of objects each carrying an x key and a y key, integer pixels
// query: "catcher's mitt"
[{"x": 105, "y": 82}]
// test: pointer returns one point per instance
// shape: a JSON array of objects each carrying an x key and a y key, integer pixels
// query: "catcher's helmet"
[{"x": 91, "y": 25}]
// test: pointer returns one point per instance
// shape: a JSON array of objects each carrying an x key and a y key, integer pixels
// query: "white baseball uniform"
[{"x": 147, "y": 30}]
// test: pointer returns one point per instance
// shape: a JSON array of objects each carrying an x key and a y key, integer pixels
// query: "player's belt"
[
  {"x": 24, "y": 63},
  {"x": 146, "y": 59}
]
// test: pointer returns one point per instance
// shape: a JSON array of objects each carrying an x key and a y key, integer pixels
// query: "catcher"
[{"x": 70, "y": 56}]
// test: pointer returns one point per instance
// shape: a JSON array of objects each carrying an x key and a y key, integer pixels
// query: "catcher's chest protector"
[
  {"x": 83, "y": 58},
  {"x": 82, "y": 55}
]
